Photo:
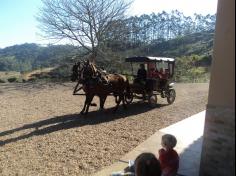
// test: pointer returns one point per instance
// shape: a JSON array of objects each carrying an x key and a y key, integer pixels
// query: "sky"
[{"x": 18, "y": 24}]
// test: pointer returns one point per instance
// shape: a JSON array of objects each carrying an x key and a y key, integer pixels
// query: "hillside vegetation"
[
  {"x": 192, "y": 52},
  {"x": 188, "y": 39}
]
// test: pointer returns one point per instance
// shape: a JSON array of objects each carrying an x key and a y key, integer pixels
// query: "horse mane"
[{"x": 94, "y": 69}]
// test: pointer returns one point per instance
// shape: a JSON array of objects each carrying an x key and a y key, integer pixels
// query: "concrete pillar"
[{"x": 218, "y": 152}]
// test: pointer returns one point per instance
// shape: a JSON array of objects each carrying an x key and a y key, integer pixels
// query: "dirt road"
[{"x": 42, "y": 133}]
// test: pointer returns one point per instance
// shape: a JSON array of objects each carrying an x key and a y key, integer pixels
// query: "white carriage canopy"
[{"x": 148, "y": 59}]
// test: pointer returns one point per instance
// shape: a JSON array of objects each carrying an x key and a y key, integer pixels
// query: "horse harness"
[{"x": 94, "y": 75}]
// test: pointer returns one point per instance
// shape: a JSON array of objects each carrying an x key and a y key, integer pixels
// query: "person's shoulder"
[
  {"x": 174, "y": 153},
  {"x": 161, "y": 151}
]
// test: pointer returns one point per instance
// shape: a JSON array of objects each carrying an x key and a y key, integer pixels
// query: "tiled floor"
[{"x": 189, "y": 134}]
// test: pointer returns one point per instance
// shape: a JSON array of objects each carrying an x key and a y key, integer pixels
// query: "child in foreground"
[
  {"x": 168, "y": 157},
  {"x": 146, "y": 164}
]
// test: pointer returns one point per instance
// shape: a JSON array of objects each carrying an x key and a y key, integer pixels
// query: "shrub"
[{"x": 12, "y": 79}]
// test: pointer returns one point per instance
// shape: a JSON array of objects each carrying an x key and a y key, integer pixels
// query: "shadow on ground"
[
  {"x": 64, "y": 122},
  {"x": 190, "y": 159}
]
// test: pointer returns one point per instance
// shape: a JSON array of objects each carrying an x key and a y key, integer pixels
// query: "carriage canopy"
[
  {"x": 163, "y": 64},
  {"x": 149, "y": 59}
]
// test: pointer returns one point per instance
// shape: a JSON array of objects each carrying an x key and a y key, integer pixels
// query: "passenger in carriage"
[
  {"x": 154, "y": 73},
  {"x": 163, "y": 75}
]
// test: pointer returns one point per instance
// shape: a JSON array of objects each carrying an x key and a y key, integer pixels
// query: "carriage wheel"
[
  {"x": 152, "y": 100},
  {"x": 171, "y": 94},
  {"x": 129, "y": 97}
]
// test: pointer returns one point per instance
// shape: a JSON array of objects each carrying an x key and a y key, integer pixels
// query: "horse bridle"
[{"x": 92, "y": 73}]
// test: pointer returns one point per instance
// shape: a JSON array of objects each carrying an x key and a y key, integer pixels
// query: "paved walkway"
[{"x": 189, "y": 134}]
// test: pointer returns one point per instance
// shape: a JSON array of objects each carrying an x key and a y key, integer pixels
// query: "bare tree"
[{"x": 85, "y": 22}]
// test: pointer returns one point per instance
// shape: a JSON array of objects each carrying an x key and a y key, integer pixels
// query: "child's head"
[
  {"x": 147, "y": 164},
  {"x": 168, "y": 141}
]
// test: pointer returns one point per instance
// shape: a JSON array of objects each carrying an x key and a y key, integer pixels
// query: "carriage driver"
[{"x": 141, "y": 75}]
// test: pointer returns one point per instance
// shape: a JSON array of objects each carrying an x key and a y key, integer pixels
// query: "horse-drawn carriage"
[
  {"x": 159, "y": 72},
  {"x": 94, "y": 82}
]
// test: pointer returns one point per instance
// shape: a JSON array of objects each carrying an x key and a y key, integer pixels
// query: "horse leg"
[
  {"x": 102, "y": 102},
  {"x": 85, "y": 104},
  {"x": 117, "y": 103},
  {"x": 88, "y": 102},
  {"x": 123, "y": 101}
]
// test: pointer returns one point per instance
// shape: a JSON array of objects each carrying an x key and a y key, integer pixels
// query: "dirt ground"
[{"x": 42, "y": 132}]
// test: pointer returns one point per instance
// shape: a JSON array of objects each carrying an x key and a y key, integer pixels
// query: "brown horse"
[{"x": 94, "y": 83}]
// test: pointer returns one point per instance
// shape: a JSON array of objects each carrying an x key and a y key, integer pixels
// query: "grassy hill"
[
  {"x": 27, "y": 57},
  {"x": 192, "y": 52}
]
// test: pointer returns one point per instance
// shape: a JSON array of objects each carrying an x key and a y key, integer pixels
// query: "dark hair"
[
  {"x": 142, "y": 65},
  {"x": 146, "y": 164}
]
